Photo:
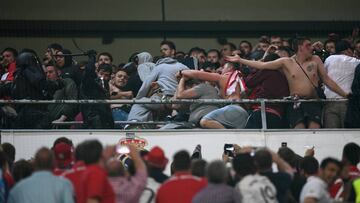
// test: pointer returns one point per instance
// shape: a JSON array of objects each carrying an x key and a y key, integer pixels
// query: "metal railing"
[{"x": 262, "y": 103}]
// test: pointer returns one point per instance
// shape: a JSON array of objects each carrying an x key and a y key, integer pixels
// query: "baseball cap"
[
  {"x": 63, "y": 154},
  {"x": 156, "y": 157}
]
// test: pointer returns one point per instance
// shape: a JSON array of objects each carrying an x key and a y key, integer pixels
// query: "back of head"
[
  {"x": 263, "y": 160},
  {"x": 198, "y": 167},
  {"x": 216, "y": 172},
  {"x": 21, "y": 170},
  {"x": 309, "y": 165},
  {"x": 341, "y": 46},
  {"x": 9, "y": 150},
  {"x": 92, "y": 151},
  {"x": 115, "y": 168},
  {"x": 68, "y": 59},
  {"x": 289, "y": 156},
  {"x": 351, "y": 153},
  {"x": 181, "y": 161},
  {"x": 244, "y": 165},
  {"x": 44, "y": 159}
]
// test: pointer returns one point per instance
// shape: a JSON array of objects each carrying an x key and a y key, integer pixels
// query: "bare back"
[{"x": 299, "y": 84}]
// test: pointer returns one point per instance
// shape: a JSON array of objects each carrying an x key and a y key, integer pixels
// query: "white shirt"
[
  {"x": 315, "y": 188},
  {"x": 341, "y": 69},
  {"x": 256, "y": 188}
]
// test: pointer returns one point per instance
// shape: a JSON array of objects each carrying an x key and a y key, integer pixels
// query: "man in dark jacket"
[{"x": 93, "y": 87}]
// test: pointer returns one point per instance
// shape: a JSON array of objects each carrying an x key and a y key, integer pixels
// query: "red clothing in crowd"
[
  {"x": 180, "y": 188},
  {"x": 11, "y": 70},
  {"x": 97, "y": 185},
  {"x": 75, "y": 175},
  {"x": 337, "y": 189}
]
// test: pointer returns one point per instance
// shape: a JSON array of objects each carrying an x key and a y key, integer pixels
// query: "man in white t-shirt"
[
  {"x": 341, "y": 68},
  {"x": 316, "y": 187}
]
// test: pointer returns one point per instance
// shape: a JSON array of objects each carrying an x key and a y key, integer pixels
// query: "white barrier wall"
[{"x": 326, "y": 142}]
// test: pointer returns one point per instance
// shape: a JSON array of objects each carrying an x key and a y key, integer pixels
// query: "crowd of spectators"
[
  {"x": 90, "y": 173},
  {"x": 274, "y": 68}
]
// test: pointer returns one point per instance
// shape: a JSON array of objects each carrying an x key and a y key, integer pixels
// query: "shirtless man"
[
  {"x": 230, "y": 86},
  {"x": 308, "y": 114}
]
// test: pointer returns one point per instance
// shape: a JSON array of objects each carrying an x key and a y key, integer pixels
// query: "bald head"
[{"x": 44, "y": 159}]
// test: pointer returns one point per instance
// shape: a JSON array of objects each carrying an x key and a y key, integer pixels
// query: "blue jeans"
[{"x": 119, "y": 115}]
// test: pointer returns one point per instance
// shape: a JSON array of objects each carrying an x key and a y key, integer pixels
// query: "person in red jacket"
[
  {"x": 8, "y": 64},
  {"x": 182, "y": 186}
]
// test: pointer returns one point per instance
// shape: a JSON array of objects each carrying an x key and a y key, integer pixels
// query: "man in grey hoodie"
[{"x": 164, "y": 74}]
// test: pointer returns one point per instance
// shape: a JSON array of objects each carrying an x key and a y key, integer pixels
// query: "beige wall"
[{"x": 177, "y": 10}]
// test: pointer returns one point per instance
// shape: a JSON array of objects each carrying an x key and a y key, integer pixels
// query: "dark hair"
[
  {"x": 105, "y": 67},
  {"x": 287, "y": 49},
  {"x": 92, "y": 151},
  {"x": 342, "y": 45},
  {"x": 264, "y": 40},
  {"x": 329, "y": 41},
  {"x": 263, "y": 159},
  {"x": 55, "y": 46},
  {"x": 216, "y": 51},
  {"x": 68, "y": 59},
  {"x": 62, "y": 140},
  {"x": 198, "y": 167},
  {"x": 271, "y": 57},
  {"x": 169, "y": 43},
  {"x": 351, "y": 153},
  {"x": 289, "y": 156},
  {"x": 244, "y": 164},
  {"x": 9, "y": 150},
  {"x": 182, "y": 161},
  {"x": 134, "y": 58},
  {"x": 44, "y": 159},
  {"x": 216, "y": 172},
  {"x": 357, "y": 42},
  {"x": 117, "y": 69},
  {"x": 328, "y": 161},
  {"x": 79, "y": 152},
  {"x": 246, "y": 42},
  {"x": 12, "y": 50},
  {"x": 197, "y": 49},
  {"x": 105, "y": 54},
  {"x": 310, "y": 165},
  {"x": 231, "y": 45},
  {"x": 21, "y": 170},
  {"x": 298, "y": 41}
]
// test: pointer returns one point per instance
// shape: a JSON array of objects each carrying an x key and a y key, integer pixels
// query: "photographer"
[{"x": 95, "y": 87}]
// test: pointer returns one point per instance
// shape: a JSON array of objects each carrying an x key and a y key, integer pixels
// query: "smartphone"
[
  {"x": 122, "y": 149},
  {"x": 229, "y": 150}
]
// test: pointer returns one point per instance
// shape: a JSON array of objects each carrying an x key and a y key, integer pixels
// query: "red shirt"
[
  {"x": 96, "y": 184},
  {"x": 10, "y": 70},
  {"x": 180, "y": 188},
  {"x": 75, "y": 175},
  {"x": 337, "y": 188}
]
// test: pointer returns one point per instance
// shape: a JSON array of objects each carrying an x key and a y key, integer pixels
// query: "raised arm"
[
  {"x": 271, "y": 65},
  {"x": 327, "y": 80},
  {"x": 201, "y": 75},
  {"x": 183, "y": 93}
]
